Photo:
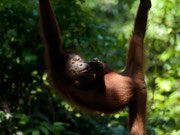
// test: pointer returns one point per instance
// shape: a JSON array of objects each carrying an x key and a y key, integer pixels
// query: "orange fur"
[{"x": 111, "y": 91}]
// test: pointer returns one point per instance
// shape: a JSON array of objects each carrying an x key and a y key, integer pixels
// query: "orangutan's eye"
[
  {"x": 73, "y": 61},
  {"x": 78, "y": 58}
]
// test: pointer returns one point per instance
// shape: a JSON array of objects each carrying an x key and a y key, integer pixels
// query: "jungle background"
[{"x": 96, "y": 28}]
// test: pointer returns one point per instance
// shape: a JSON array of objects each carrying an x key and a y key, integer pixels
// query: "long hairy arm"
[
  {"x": 51, "y": 36},
  {"x": 135, "y": 57},
  {"x": 49, "y": 27}
]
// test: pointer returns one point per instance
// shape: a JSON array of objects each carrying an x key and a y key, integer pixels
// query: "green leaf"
[
  {"x": 44, "y": 130},
  {"x": 23, "y": 119},
  {"x": 58, "y": 126},
  {"x": 36, "y": 132}
]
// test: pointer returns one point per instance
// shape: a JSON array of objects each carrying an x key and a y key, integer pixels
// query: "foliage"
[{"x": 96, "y": 28}]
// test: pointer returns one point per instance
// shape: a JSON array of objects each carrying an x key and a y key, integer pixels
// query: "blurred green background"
[{"x": 96, "y": 28}]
